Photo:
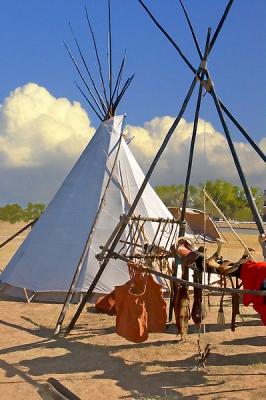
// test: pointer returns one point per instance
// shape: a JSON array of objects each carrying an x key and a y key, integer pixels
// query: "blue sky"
[
  {"x": 32, "y": 51},
  {"x": 32, "y": 33}
]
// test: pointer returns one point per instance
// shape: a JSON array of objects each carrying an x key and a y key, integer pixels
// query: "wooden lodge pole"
[
  {"x": 184, "y": 58},
  {"x": 182, "y": 226},
  {"x": 243, "y": 131},
  {"x": 251, "y": 202},
  {"x": 30, "y": 224},
  {"x": 197, "y": 285},
  {"x": 193, "y": 139}
]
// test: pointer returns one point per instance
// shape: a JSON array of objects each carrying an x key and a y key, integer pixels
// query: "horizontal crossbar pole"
[
  {"x": 150, "y": 219},
  {"x": 207, "y": 287},
  {"x": 198, "y": 285},
  {"x": 147, "y": 256}
]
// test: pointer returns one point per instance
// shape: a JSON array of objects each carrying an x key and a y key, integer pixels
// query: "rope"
[
  {"x": 204, "y": 238},
  {"x": 228, "y": 223}
]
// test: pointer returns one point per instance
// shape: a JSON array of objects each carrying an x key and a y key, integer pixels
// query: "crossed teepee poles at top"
[
  {"x": 105, "y": 99},
  {"x": 199, "y": 76},
  {"x": 201, "y": 73}
]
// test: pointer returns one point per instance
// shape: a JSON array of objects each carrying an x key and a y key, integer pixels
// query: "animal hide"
[
  {"x": 196, "y": 312},
  {"x": 182, "y": 310},
  {"x": 106, "y": 304}
]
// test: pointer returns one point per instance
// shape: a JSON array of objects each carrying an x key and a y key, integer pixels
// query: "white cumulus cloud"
[
  {"x": 42, "y": 136},
  {"x": 212, "y": 157},
  {"x": 36, "y": 127}
]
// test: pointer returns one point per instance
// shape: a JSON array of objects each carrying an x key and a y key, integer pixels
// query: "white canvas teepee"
[{"x": 46, "y": 261}]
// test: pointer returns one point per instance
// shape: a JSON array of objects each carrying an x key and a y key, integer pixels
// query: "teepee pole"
[
  {"x": 219, "y": 27},
  {"x": 110, "y": 53},
  {"x": 191, "y": 30},
  {"x": 88, "y": 100},
  {"x": 18, "y": 232},
  {"x": 243, "y": 131},
  {"x": 97, "y": 57},
  {"x": 182, "y": 226},
  {"x": 180, "y": 52},
  {"x": 193, "y": 139},
  {"x": 119, "y": 76},
  {"x": 132, "y": 208},
  {"x": 233, "y": 119},
  {"x": 88, "y": 242},
  {"x": 87, "y": 69},
  {"x": 251, "y": 202},
  {"x": 122, "y": 92},
  {"x": 84, "y": 80}
]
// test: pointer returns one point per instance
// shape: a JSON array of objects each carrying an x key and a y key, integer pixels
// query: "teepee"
[
  {"x": 88, "y": 206},
  {"x": 45, "y": 263}
]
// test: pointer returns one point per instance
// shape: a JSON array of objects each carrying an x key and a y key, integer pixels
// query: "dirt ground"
[{"x": 95, "y": 363}]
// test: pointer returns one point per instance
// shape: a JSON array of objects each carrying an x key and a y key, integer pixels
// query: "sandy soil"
[{"x": 95, "y": 363}]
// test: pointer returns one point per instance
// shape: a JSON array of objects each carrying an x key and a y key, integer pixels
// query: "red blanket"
[{"x": 253, "y": 275}]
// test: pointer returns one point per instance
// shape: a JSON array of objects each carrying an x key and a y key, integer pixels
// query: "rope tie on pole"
[
  {"x": 203, "y": 65},
  {"x": 207, "y": 84}
]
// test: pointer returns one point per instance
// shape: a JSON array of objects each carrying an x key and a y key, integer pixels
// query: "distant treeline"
[
  {"x": 229, "y": 198},
  {"x": 15, "y": 213}
]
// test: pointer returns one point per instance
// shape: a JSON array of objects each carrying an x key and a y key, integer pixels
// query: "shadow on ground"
[{"x": 106, "y": 362}]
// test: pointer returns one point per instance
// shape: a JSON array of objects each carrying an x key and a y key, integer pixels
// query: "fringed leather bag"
[
  {"x": 155, "y": 306},
  {"x": 140, "y": 306},
  {"x": 132, "y": 318}
]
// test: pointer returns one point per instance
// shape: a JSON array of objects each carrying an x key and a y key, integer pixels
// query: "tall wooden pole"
[
  {"x": 191, "y": 30},
  {"x": 193, "y": 138},
  {"x": 188, "y": 63},
  {"x": 235, "y": 122},
  {"x": 110, "y": 53},
  {"x": 182, "y": 226},
  {"x": 97, "y": 57},
  {"x": 243, "y": 131},
  {"x": 220, "y": 25},
  {"x": 88, "y": 71},
  {"x": 251, "y": 202},
  {"x": 30, "y": 224}
]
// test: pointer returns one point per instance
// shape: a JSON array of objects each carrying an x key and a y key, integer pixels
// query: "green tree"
[
  {"x": 33, "y": 211},
  {"x": 15, "y": 213},
  {"x": 11, "y": 213},
  {"x": 229, "y": 198},
  {"x": 168, "y": 194}
]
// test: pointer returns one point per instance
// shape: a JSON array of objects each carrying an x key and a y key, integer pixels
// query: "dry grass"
[{"x": 95, "y": 363}]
